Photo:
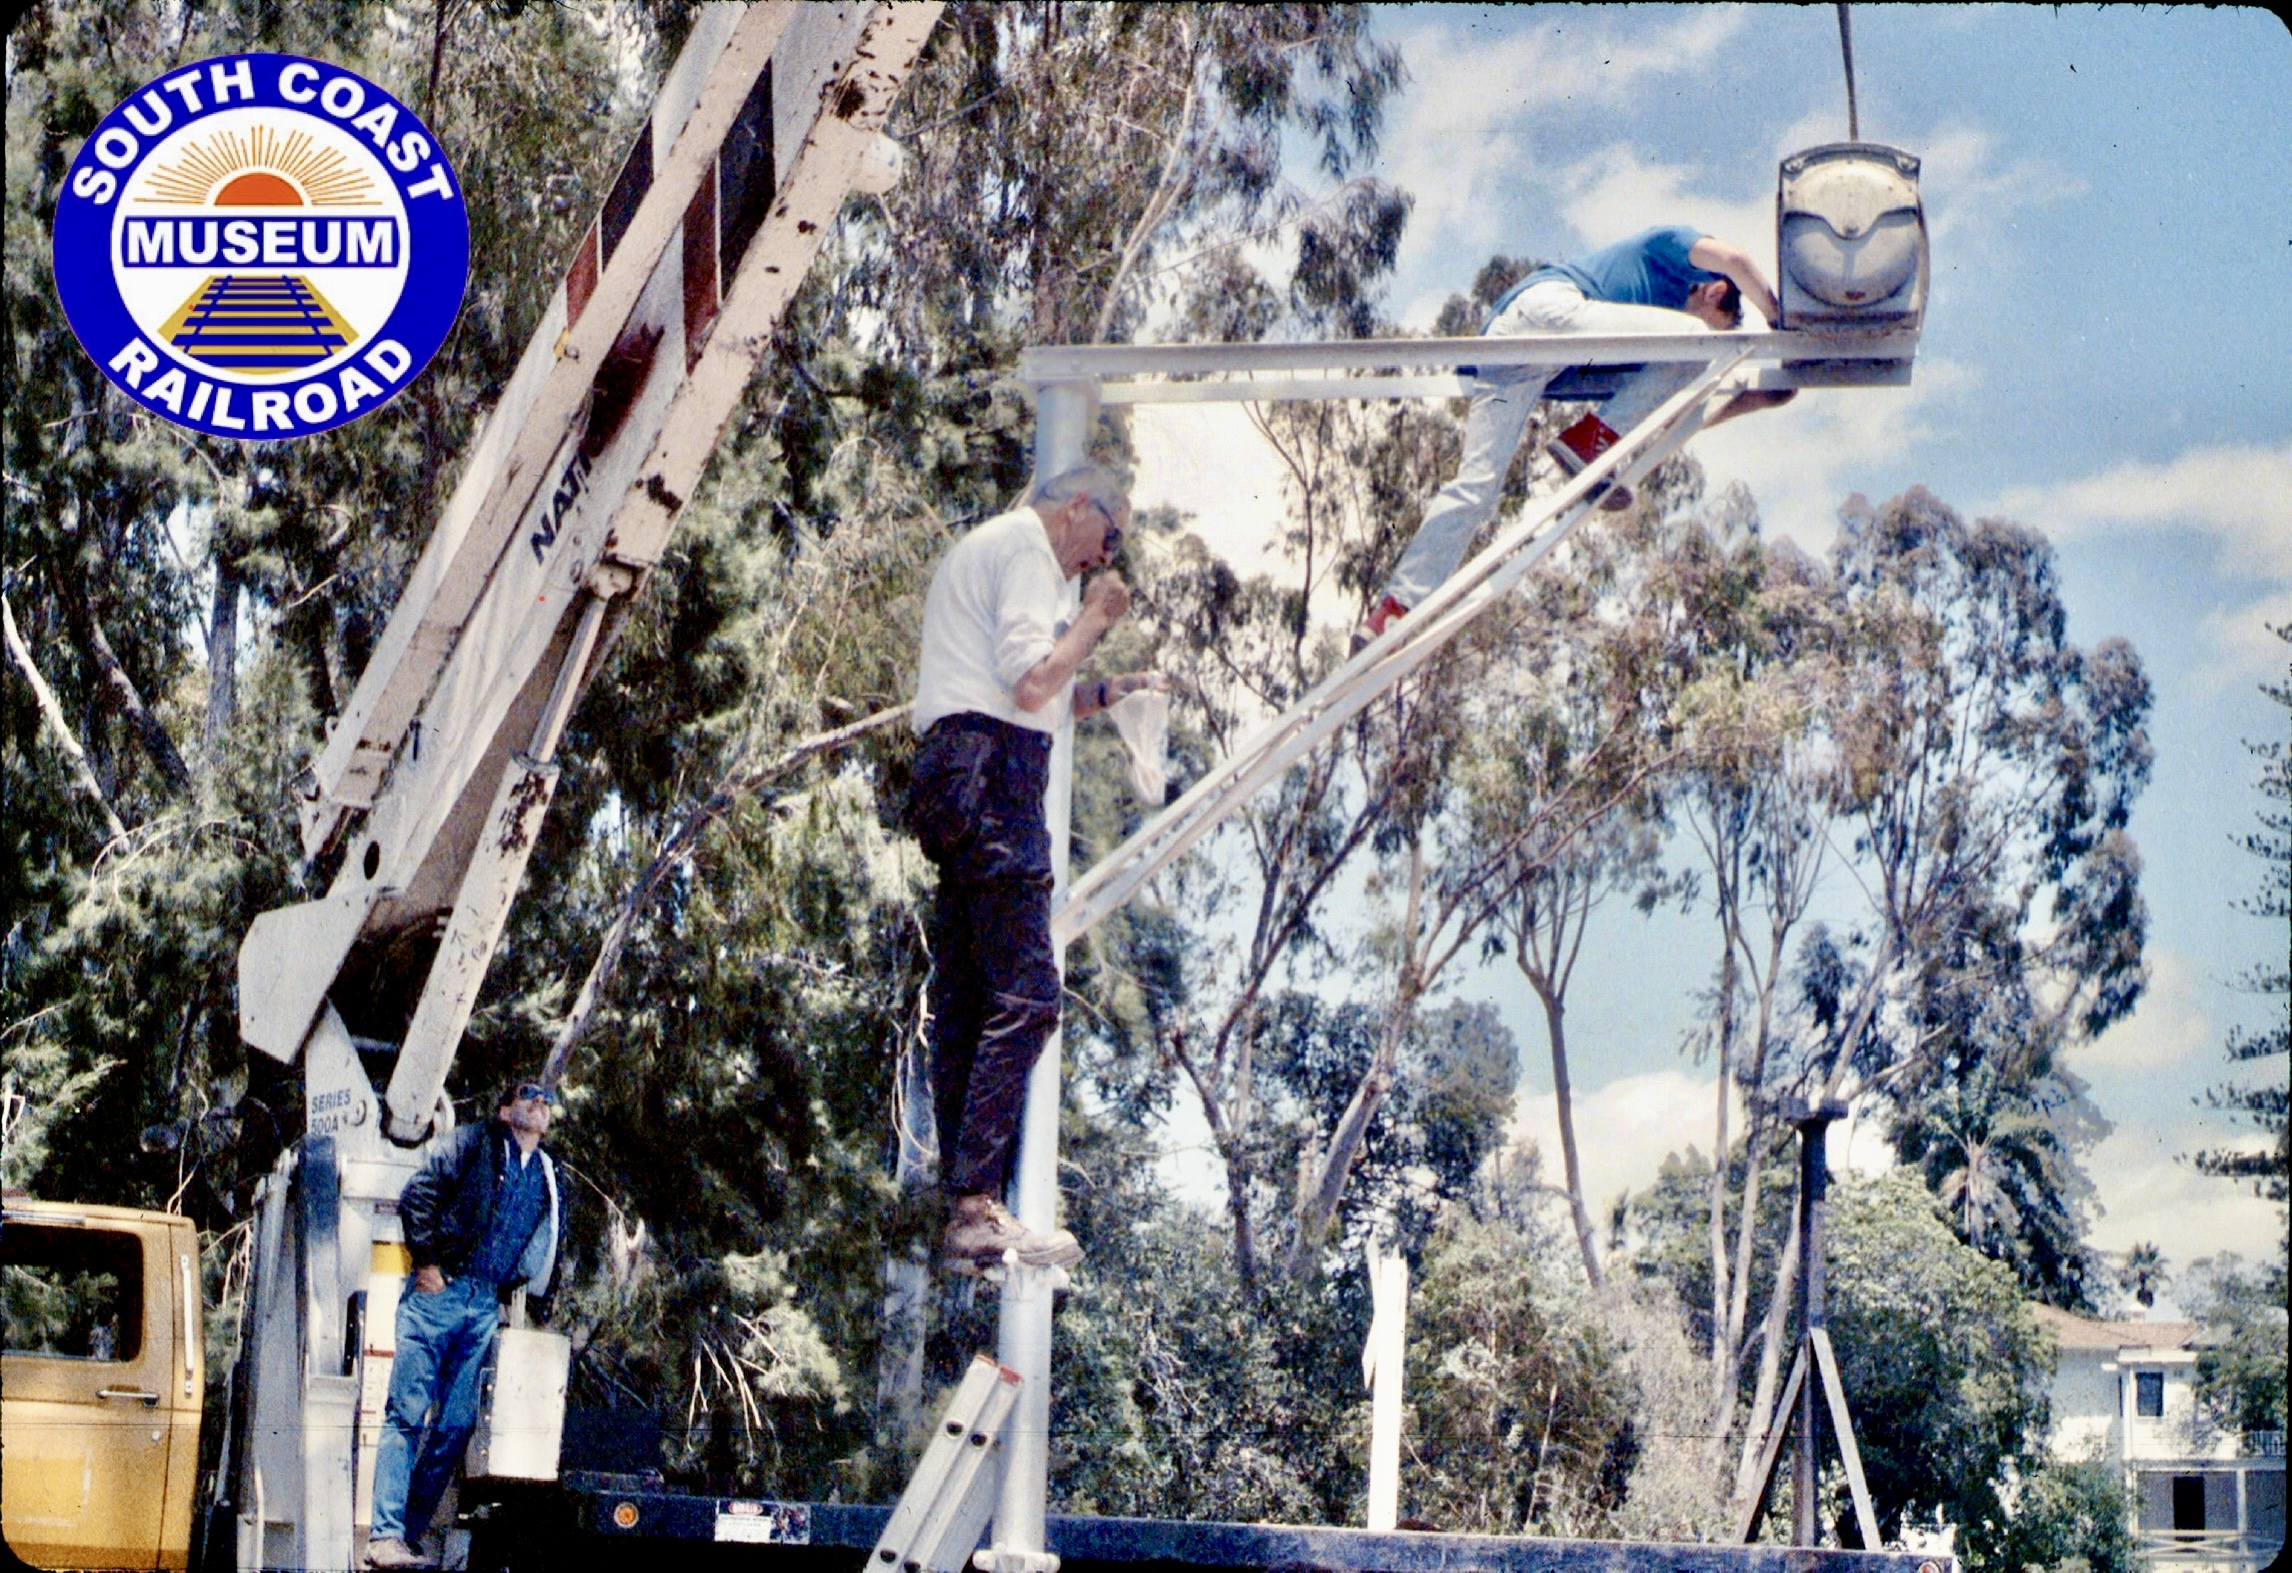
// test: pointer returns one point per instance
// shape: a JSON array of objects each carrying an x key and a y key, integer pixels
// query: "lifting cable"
[{"x": 1846, "y": 49}]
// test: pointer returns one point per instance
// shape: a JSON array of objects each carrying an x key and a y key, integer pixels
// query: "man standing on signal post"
[
  {"x": 1002, "y": 639},
  {"x": 1670, "y": 280}
]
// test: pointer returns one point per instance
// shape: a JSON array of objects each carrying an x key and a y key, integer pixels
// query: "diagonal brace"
[{"x": 1405, "y": 646}]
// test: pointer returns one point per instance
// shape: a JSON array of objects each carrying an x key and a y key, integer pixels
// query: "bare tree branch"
[
  {"x": 678, "y": 848},
  {"x": 53, "y": 714}
]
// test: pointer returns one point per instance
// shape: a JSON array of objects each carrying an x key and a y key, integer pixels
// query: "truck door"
[{"x": 87, "y": 1373}]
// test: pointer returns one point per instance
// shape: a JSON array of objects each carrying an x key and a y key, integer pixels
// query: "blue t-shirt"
[{"x": 1649, "y": 269}]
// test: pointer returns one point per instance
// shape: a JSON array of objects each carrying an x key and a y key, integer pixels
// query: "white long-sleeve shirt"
[{"x": 997, "y": 604}]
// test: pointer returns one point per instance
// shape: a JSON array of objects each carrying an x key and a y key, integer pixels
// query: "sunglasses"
[{"x": 535, "y": 1091}]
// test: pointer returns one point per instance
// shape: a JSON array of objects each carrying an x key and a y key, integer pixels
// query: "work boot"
[
  {"x": 983, "y": 1231},
  {"x": 1577, "y": 447},
  {"x": 395, "y": 1553},
  {"x": 1373, "y": 625}
]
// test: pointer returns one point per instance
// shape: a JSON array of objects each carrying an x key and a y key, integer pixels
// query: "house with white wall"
[{"x": 2204, "y": 1500}]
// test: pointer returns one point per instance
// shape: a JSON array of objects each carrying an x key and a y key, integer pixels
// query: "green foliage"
[
  {"x": 1446, "y": 1112},
  {"x": 2066, "y": 1516},
  {"x": 197, "y": 606},
  {"x": 2241, "y": 1356},
  {"x": 1945, "y": 1369},
  {"x": 1990, "y": 769},
  {"x": 1078, "y": 173},
  {"x": 1522, "y": 1410},
  {"x": 1668, "y": 1225},
  {"x": 1181, "y": 1395},
  {"x": 2267, "y": 1103}
]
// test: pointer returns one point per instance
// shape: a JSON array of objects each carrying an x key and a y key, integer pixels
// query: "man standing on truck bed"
[
  {"x": 1002, "y": 638},
  {"x": 482, "y": 1217}
]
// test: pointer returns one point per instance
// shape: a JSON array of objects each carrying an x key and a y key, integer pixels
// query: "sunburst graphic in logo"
[{"x": 259, "y": 167}]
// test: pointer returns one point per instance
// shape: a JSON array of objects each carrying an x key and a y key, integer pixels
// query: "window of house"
[
  {"x": 2149, "y": 1394},
  {"x": 71, "y": 1292}
]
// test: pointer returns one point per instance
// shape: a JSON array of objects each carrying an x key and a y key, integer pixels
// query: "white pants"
[{"x": 1499, "y": 414}]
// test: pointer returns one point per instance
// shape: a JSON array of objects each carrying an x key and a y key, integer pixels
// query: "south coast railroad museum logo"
[{"x": 261, "y": 246}]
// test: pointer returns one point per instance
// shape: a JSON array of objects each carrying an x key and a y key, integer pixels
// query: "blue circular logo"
[{"x": 261, "y": 246}]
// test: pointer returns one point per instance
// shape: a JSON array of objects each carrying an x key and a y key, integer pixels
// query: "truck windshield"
[{"x": 74, "y": 1293}]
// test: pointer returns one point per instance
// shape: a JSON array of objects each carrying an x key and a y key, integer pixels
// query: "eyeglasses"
[
  {"x": 534, "y": 1091},
  {"x": 1112, "y": 541}
]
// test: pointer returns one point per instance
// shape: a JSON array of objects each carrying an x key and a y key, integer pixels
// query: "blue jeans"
[
  {"x": 443, "y": 1341},
  {"x": 1499, "y": 415}
]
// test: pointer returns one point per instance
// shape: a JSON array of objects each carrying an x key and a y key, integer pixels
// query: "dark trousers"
[{"x": 977, "y": 808}]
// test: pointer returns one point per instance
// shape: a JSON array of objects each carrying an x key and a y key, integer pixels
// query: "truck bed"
[{"x": 700, "y": 1532}]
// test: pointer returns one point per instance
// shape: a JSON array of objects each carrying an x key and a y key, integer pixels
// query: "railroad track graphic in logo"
[
  {"x": 257, "y": 323},
  {"x": 261, "y": 246}
]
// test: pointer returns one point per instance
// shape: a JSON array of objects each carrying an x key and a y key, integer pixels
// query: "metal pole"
[
  {"x": 1065, "y": 412},
  {"x": 1814, "y": 1180}
]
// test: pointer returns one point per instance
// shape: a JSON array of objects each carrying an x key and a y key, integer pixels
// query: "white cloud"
[
  {"x": 1612, "y": 193},
  {"x": 1627, "y": 1127},
  {"x": 1624, "y": 1129},
  {"x": 2245, "y": 651},
  {"x": 1972, "y": 193},
  {"x": 1802, "y": 460},
  {"x": 2170, "y": 1027},
  {"x": 1462, "y": 150},
  {"x": 2240, "y": 494},
  {"x": 2148, "y": 1192}
]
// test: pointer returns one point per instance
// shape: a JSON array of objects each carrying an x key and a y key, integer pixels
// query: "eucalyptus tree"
[
  {"x": 1071, "y": 172},
  {"x": 1757, "y": 804},
  {"x": 1986, "y": 769},
  {"x": 195, "y": 608},
  {"x": 2265, "y": 1105},
  {"x": 1563, "y": 714}
]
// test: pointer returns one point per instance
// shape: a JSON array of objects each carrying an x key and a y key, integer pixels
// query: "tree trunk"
[
  {"x": 53, "y": 714},
  {"x": 1770, "y": 1362},
  {"x": 1318, "y": 1200},
  {"x": 1563, "y": 1093},
  {"x": 1238, "y": 1171},
  {"x": 222, "y": 662},
  {"x": 117, "y": 687},
  {"x": 1729, "y": 1333},
  {"x": 1722, "y": 1357}
]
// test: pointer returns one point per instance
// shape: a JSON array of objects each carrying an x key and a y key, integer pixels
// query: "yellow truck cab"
[{"x": 100, "y": 1385}]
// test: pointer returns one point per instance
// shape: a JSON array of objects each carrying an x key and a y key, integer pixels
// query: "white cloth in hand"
[{"x": 1142, "y": 720}]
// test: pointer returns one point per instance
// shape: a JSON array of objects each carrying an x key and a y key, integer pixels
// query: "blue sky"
[{"x": 2105, "y": 358}]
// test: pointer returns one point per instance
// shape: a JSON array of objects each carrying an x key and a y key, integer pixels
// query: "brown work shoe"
[{"x": 983, "y": 1232}]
